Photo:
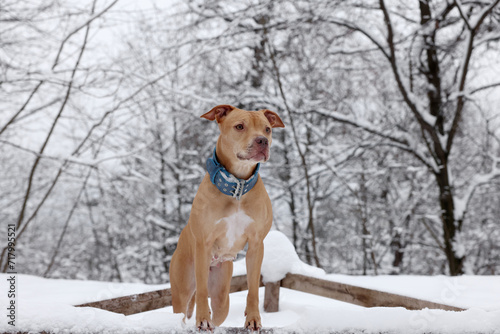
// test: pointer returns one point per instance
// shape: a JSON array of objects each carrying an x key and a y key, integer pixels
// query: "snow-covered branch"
[
  {"x": 461, "y": 204},
  {"x": 488, "y": 38},
  {"x": 461, "y": 10},
  {"x": 93, "y": 163},
  {"x": 14, "y": 117},
  {"x": 394, "y": 65},
  {"x": 77, "y": 29},
  {"x": 482, "y": 16},
  {"x": 490, "y": 86},
  {"x": 389, "y": 53},
  {"x": 360, "y": 124},
  {"x": 356, "y": 27},
  {"x": 464, "y": 69},
  {"x": 47, "y": 156},
  {"x": 404, "y": 141}
]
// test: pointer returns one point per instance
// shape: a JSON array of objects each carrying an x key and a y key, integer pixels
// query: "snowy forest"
[{"x": 389, "y": 162}]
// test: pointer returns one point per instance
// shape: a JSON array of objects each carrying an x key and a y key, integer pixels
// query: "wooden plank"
[
  {"x": 344, "y": 292},
  {"x": 239, "y": 283},
  {"x": 357, "y": 295},
  {"x": 272, "y": 297},
  {"x": 134, "y": 303},
  {"x": 151, "y": 300}
]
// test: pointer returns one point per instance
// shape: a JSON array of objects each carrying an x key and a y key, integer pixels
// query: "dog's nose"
[{"x": 261, "y": 141}]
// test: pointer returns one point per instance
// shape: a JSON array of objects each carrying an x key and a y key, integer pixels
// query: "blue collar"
[{"x": 227, "y": 183}]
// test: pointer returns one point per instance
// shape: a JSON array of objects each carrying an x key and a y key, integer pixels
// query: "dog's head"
[{"x": 248, "y": 134}]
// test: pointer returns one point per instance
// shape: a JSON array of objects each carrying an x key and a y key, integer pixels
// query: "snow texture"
[
  {"x": 47, "y": 304},
  {"x": 280, "y": 258}
]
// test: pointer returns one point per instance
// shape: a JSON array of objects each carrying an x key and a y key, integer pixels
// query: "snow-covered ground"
[{"x": 47, "y": 304}]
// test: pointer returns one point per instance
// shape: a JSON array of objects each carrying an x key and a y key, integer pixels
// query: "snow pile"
[{"x": 280, "y": 258}]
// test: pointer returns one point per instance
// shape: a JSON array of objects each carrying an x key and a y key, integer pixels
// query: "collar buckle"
[{"x": 238, "y": 189}]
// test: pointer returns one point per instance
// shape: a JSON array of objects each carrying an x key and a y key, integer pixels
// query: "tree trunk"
[
  {"x": 450, "y": 226},
  {"x": 431, "y": 70}
]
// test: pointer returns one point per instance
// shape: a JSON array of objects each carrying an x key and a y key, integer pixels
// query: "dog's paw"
[
  {"x": 253, "y": 324},
  {"x": 205, "y": 325}
]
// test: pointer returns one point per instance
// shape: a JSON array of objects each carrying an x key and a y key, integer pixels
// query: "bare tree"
[
  {"x": 440, "y": 117},
  {"x": 389, "y": 162}
]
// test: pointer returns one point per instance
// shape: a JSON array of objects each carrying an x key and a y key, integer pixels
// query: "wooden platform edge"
[
  {"x": 133, "y": 304},
  {"x": 358, "y": 295},
  {"x": 152, "y": 300}
]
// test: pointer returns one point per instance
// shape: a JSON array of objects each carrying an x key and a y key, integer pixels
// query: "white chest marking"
[{"x": 235, "y": 226}]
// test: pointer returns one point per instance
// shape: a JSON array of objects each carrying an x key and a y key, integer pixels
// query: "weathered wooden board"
[
  {"x": 153, "y": 300},
  {"x": 239, "y": 283},
  {"x": 344, "y": 292},
  {"x": 272, "y": 297},
  {"x": 134, "y": 303},
  {"x": 357, "y": 295}
]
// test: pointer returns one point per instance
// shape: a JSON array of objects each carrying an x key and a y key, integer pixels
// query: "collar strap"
[{"x": 227, "y": 183}]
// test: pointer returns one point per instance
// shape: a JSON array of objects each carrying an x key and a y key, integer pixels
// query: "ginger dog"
[{"x": 230, "y": 209}]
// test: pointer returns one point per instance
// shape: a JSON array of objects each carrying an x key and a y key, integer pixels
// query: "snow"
[
  {"x": 280, "y": 258},
  {"x": 47, "y": 304},
  {"x": 477, "y": 180}
]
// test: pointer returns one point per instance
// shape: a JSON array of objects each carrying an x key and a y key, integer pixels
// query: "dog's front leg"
[
  {"x": 254, "y": 257},
  {"x": 202, "y": 267}
]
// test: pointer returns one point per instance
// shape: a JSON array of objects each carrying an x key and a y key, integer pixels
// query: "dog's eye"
[
  {"x": 239, "y": 127},
  {"x": 268, "y": 129}
]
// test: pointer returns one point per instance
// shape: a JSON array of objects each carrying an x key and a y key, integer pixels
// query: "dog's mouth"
[{"x": 260, "y": 155}]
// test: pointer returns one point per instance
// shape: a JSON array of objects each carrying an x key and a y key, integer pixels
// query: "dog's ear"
[
  {"x": 273, "y": 118},
  {"x": 218, "y": 113}
]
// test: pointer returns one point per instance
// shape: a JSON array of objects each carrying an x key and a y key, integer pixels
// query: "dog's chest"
[
  {"x": 235, "y": 226},
  {"x": 231, "y": 239}
]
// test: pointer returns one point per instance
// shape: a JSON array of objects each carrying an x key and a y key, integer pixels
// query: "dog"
[{"x": 230, "y": 210}]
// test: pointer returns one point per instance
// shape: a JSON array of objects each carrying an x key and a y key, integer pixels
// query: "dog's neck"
[
  {"x": 242, "y": 169},
  {"x": 228, "y": 183}
]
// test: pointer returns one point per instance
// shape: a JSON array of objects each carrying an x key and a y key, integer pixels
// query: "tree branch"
[
  {"x": 357, "y": 28},
  {"x": 395, "y": 70},
  {"x": 44, "y": 145},
  {"x": 13, "y": 118},
  {"x": 493, "y": 85},
  {"x": 458, "y": 3},
  {"x": 45, "y": 156},
  {"x": 433, "y": 234},
  {"x": 394, "y": 141},
  {"x": 302, "y": 157},
  {"x": 464, "y": 71},
  {"x": 477, "y": 181},
  {"x": 87, "y": 23},
  {"x": 66, "y": 224}
]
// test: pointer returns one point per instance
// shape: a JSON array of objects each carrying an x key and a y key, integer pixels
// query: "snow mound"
[{"x": 280, "y": 258}]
